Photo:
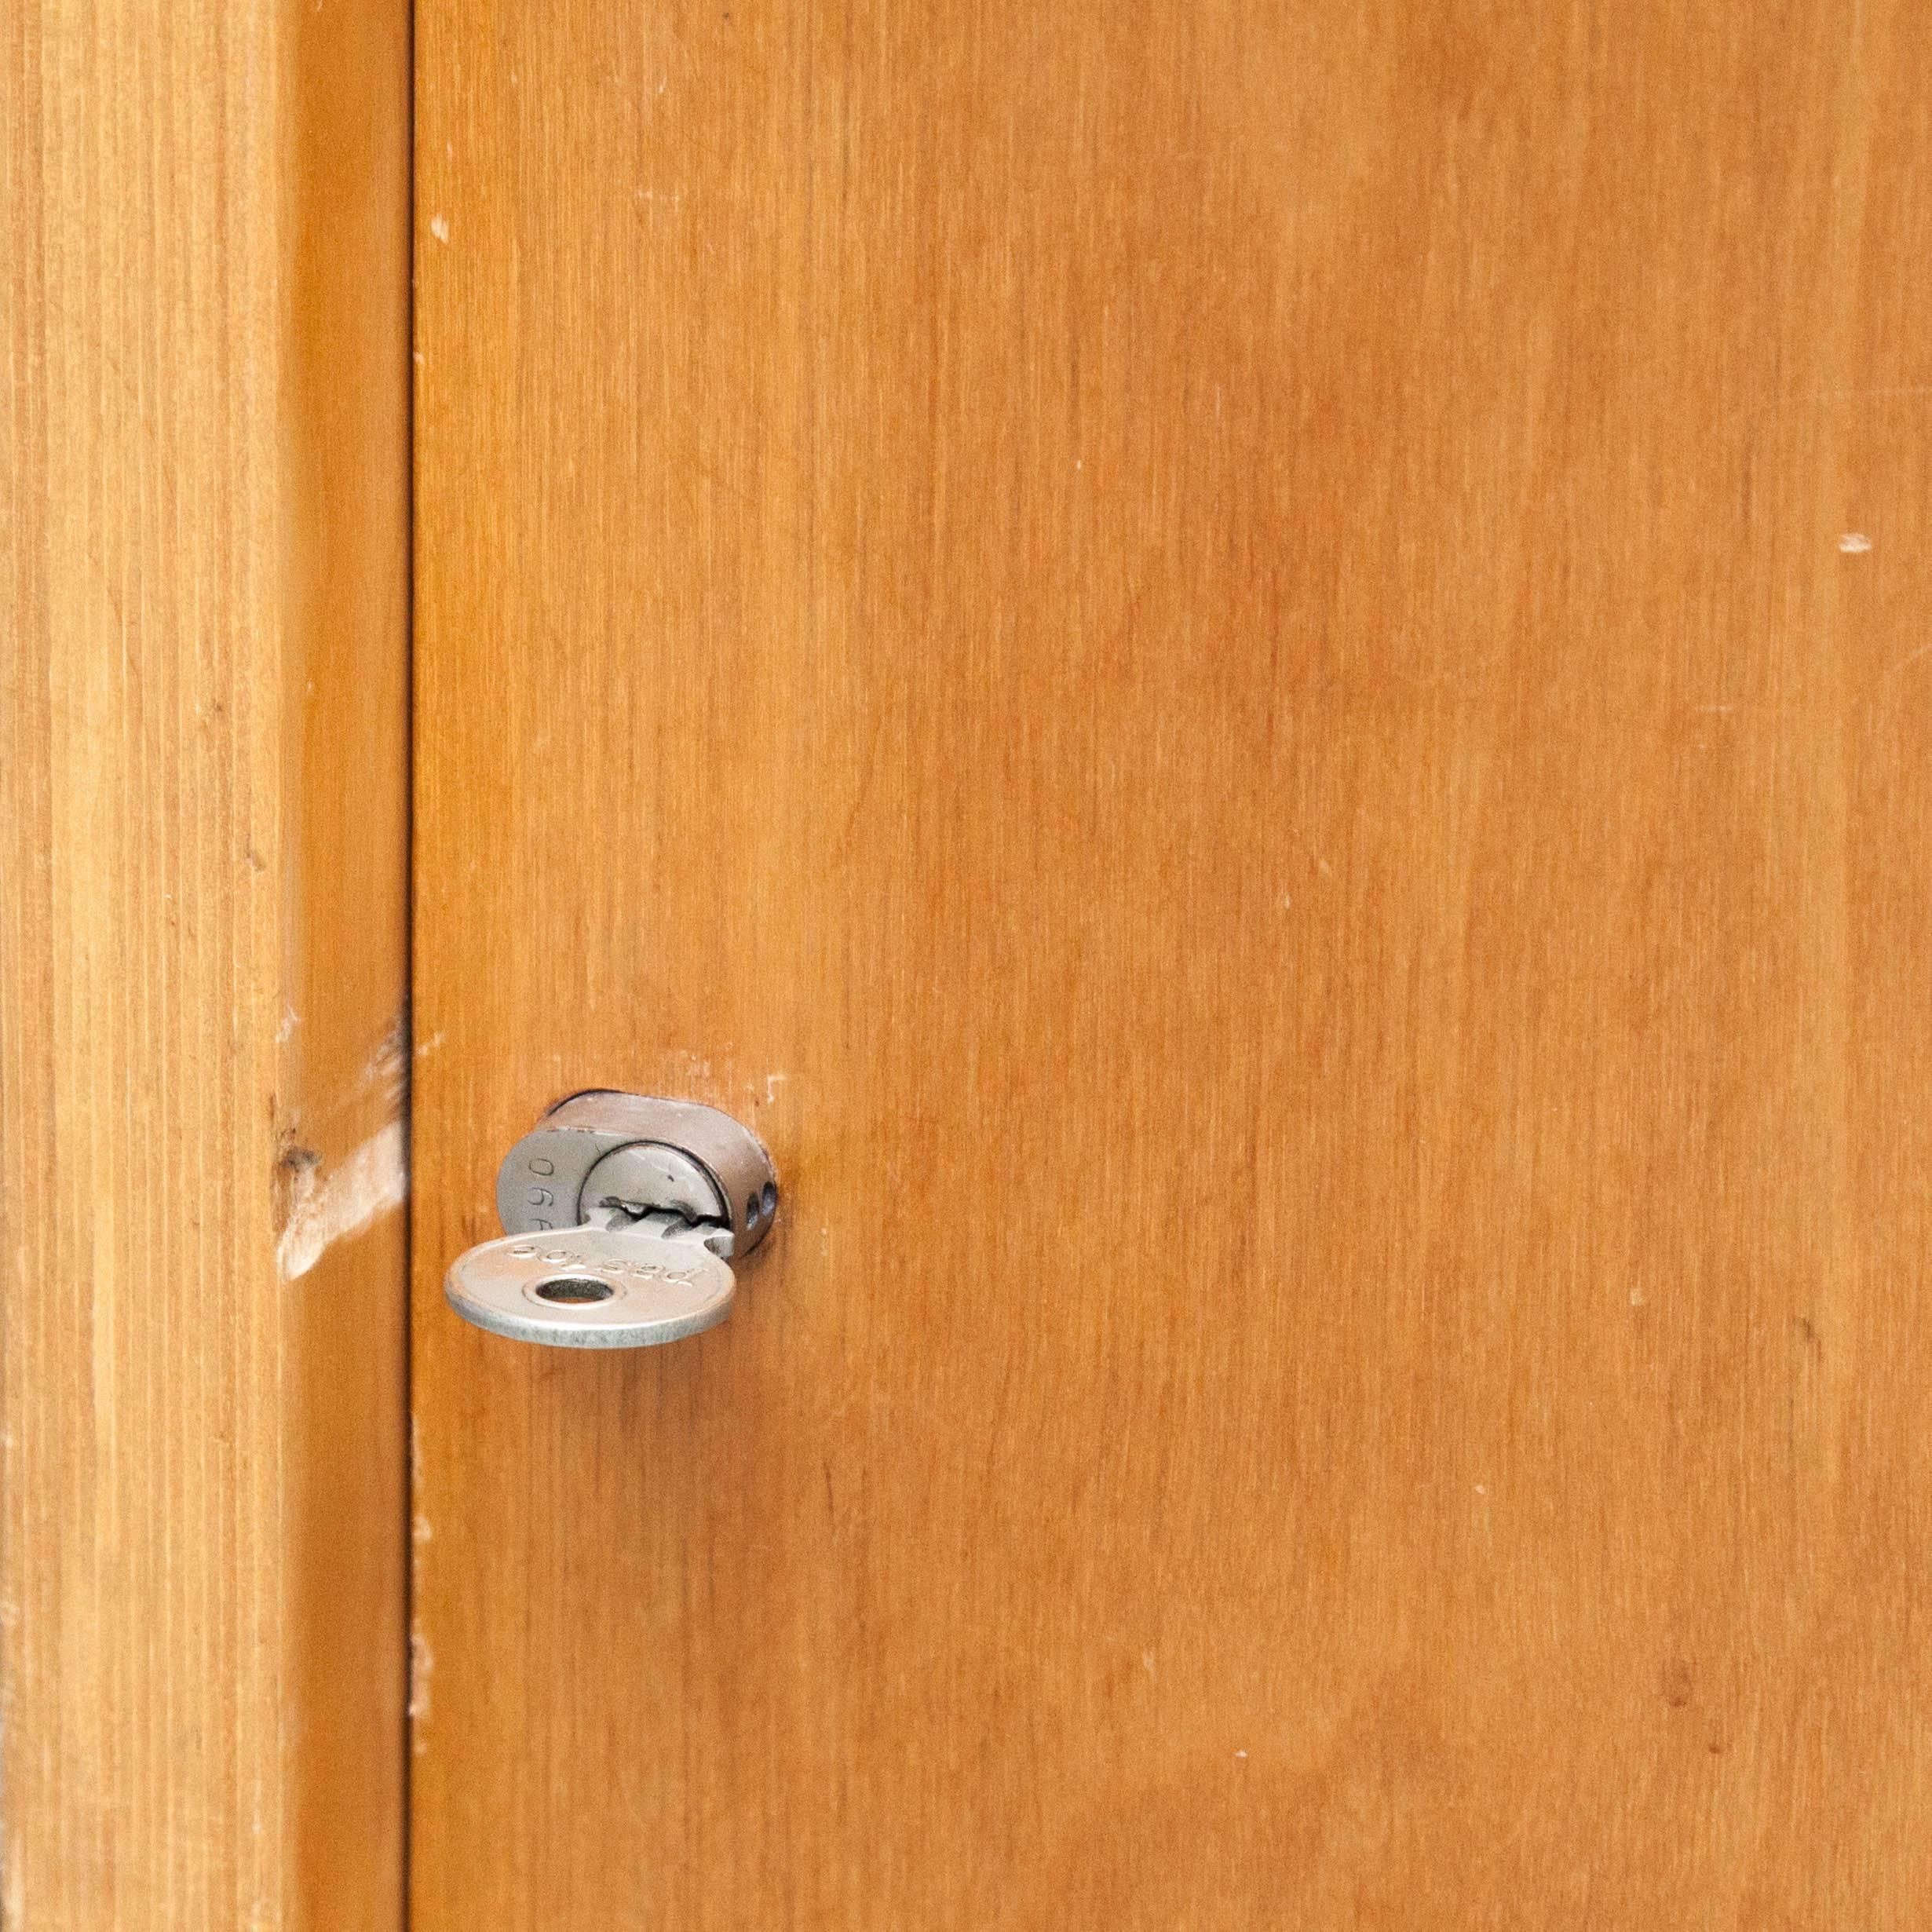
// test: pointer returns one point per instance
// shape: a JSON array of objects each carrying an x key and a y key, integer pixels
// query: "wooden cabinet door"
[{"x": 1255, "y": 678}]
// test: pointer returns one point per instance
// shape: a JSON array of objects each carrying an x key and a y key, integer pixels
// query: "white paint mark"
[
  {"x": 420, "y": 1531},
  {"x": 425, "y": 1048},
  {"x": 1287, "y": 904},
  {"x": 440, "y": 227},
  {"x": 773, "y": 1083},
  {"x": 415, "y": 356},
  {"x": 1854, "y": 543},
  {"x": 1240, "y": 1754},
  {"x": 1482, "y": 1489},
  {"x": 286, "y": 1032},
  {"x": 1636, "y": 1297},
  {"x": 421, "y": 1663},
  {"x": 373, "y": 1180}
]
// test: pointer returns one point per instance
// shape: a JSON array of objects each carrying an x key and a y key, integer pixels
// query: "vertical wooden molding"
[{"x": 204, "y": 1039}]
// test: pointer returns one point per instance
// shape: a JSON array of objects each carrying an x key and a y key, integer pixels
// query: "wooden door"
[
  {"x": 1255, "y": 678},
  {"x": 204, "y": 965}
]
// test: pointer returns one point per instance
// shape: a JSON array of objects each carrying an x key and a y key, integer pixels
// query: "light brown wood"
[
  {"x": 1256, "y": 678},
  {"x": 202, "y": 965}
]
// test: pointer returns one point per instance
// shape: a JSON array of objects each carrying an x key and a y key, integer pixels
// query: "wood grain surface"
[
  {"x": 202, "y": 946},
  {"x": 1256, "y": 677}
]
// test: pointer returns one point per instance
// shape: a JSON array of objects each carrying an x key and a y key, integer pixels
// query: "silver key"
[{"x": 595, "y": 1288}]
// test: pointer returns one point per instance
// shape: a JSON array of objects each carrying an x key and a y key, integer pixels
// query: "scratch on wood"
[{"x": 373, "y": 1180}]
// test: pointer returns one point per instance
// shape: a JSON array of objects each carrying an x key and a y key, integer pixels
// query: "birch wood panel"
[
  {"x": 1256, "y": 677},
  {"x": 202, "y": 1035}
]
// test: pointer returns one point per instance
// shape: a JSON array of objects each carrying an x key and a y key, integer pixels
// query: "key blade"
[{"x": 591, "y": 1288}]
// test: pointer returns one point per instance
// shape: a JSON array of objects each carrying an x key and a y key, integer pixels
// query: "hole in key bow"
[{"x": 573, "y": 1288}]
